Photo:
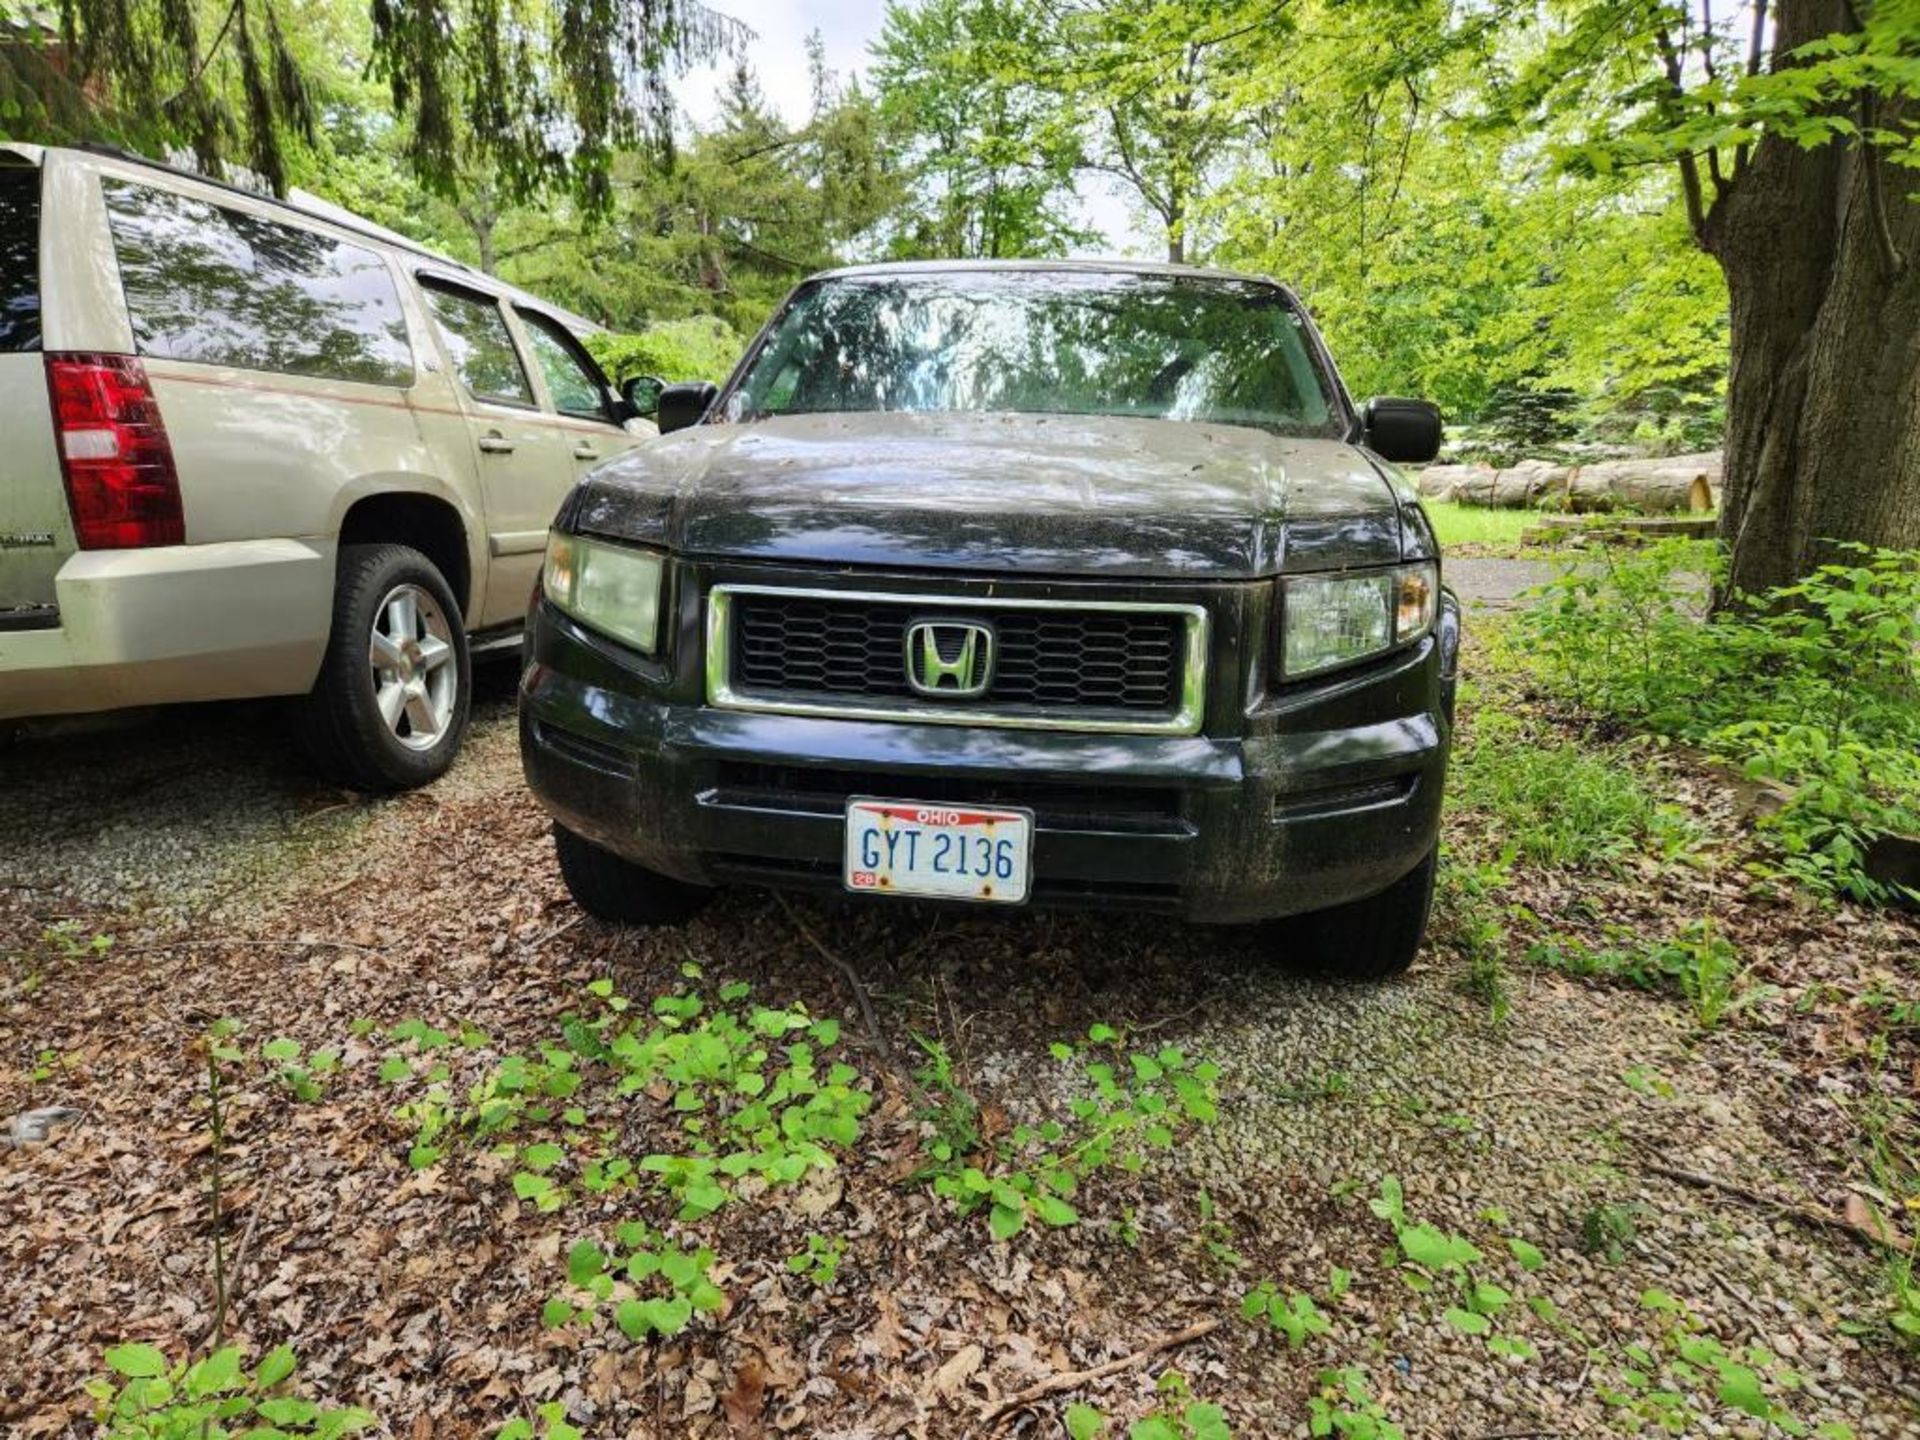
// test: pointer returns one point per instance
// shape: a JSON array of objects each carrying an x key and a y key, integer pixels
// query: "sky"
[{"x": 778, "y": 57}]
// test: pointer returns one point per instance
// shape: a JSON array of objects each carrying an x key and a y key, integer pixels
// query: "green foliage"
[
  {"x": 697, "y": 348},
  {"x": 744, "y": 1085},
  {"x": 820, "y": 1261},
  {"x": 1556, "y": 804},
  {"x": 1699, "y": 964},
  {"x": 1687, "y": 1375},
  {"x": 552, "y": 1425},
  {"x": 1176, "y": 1416},
  {"x": 1813, "y": 685},
  {"x": 1607, "y": 1231},
  {"x": 1455, "y": 1272},
  {"x": 656, "y": 1286},
  {"x": 1470, "y": 920},
  {"x": 1344, "y": 1408},
  {"x": 211, "y": 1399},
  {"x": 304, "y": 1075},
  {"x": 989, "y": 148},
  {"x": 1137, "y": 1102},
  {"x": 1295, "y": 1315}
]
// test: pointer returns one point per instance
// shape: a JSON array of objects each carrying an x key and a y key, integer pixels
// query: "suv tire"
[
  {"x": 390, "y": 707},
  {"x": 1371, "y": 939},
  {"x": 609, "y": 888}
]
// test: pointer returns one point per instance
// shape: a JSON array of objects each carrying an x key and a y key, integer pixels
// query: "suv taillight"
[{"x": 114, "y": 453}]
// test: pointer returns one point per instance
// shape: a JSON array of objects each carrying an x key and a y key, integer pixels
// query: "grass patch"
[
  {"x": 1478, "y": 525},
  {"x": 1552, "y": 803}
]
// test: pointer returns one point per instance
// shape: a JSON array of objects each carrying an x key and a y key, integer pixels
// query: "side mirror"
[
  {"x": 683, "y": 404},
  {"x": 1404, "y": 431},
  {"x": 642, "y": 393}
]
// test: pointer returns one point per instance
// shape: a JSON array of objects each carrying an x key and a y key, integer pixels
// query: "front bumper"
[
  {"x": 1323, "y": 796},
  {"x": 225, "y": 621}
]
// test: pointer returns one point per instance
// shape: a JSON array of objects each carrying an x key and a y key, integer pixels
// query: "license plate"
[{"x": 949, "y": 852}]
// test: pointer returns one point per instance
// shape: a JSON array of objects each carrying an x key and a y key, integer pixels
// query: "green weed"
[
  {"x": 1136, "y": 1102},
  {"x": 153, "y": 1399}
]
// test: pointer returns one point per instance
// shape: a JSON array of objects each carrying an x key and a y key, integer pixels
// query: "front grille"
[
  {"x": 1077, "y": 663},
  {"x": 1135, "y": 809}
]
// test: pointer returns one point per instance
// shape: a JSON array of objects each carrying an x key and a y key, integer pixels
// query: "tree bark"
[{"x": 1821, "y": 251}]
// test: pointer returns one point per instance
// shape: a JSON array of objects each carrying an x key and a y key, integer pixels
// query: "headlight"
[
  {"x": 1332, "y": 620},
  {"x": 615, "y": 589}
]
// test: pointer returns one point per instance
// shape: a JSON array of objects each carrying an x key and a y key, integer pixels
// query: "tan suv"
[{"x": 258, "y": 448}]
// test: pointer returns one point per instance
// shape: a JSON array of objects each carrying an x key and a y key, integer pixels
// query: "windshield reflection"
[{"x": 1170, "y": 347}]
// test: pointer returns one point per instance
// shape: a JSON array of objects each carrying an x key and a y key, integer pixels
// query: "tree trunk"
[{"x": 1821, "y": 250}]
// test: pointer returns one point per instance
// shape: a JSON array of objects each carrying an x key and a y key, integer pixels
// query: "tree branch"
[
  {"x": 1689, "y": 162},
  {"x": 200, "y": 67},
  {"x": 1890, "y": 255}
]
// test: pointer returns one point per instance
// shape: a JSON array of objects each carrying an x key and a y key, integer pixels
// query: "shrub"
[{"x": 1816, "y": 684}]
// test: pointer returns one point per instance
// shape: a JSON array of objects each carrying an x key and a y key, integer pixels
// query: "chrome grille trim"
[{"x": 1186, "y": 719}]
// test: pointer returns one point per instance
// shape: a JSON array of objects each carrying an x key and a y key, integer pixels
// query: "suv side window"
[
  {"x": 223, "y": 287},
  {"x": 19, "y": 259},
  {"x": 576, "y": 389},
  {"x": 480, "y": 345}
]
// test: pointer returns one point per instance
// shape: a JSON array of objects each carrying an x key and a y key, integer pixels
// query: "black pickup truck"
[{"x": 1045, "y": 583}]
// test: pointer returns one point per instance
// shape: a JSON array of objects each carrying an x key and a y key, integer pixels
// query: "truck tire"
[
  {"x": 609, "y": 888},
  {"x": 390, "y": 707},
  {"x": 1371, "y": 939}
]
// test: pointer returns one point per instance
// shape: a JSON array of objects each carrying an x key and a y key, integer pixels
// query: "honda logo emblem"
[{"x": 952, "y": 659}]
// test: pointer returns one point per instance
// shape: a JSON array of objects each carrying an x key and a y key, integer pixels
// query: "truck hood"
[{"x": 1007, "y": 493}]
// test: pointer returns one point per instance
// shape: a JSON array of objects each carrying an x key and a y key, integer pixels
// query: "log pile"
[{"x": 1659, "y": 486}]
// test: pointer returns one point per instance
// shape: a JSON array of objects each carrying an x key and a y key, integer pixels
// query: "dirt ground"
[{"x": 233, "y": 887}]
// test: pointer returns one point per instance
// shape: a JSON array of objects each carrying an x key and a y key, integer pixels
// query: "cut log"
[
  {"x": 1655, "y": 486},
  {"x": 1438, "y": 482},
  {"x": 1673, "y": 485},
  {"x": 1515, "y": 488}
]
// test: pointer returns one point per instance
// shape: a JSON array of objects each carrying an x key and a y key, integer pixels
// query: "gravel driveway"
[{"x": 234, "y": 887}]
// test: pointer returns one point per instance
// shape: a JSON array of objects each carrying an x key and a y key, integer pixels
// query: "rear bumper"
[
  {"x": 1287, "y": 818},
  {"x": 182, "y": 622}
]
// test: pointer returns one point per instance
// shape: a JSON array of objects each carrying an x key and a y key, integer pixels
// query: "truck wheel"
[
  {"x": 390, "y": 707},
  {"x": 609, "y": 888},
  {"x": 1371, "y": 939}
]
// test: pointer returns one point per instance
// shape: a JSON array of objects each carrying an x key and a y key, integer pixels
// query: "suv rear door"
[
  {"x": 521, "y": 454},
  {"x": 36, "y": 532}
]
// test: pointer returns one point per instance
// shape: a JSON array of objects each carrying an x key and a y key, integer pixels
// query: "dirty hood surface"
[{"x": 1021, "y": 494}]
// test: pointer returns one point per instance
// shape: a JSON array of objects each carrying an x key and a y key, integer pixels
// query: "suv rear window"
[
  {"x": 223, "y": 287},
  {"x": 19, "y": 259}
]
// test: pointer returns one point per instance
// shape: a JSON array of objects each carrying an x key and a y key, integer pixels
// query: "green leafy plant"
[
  {"x": 212, "y": 1398},
  {"x": 549, "y": 1423},
  {"x": 1812, "y": 685},
  {"x": 305, "y": 1076},
  {"x": 1450, "y": 1267},
  {"x": 1687, "y": 1374},
  {"x": 1178, "y": 1416},
  {"x": 1607, "y": 1230},
  {"x": 1345, "y": 1408},
  {"x": 1136, "y": 1102},
  {"x": 1699, "y": 964},
  {"x": 745, "y": 1086},
  {"x": 1295, "y": 1316},
  {"x": 820, "y": 1261},
  {"x": 654, "y": 1285}
]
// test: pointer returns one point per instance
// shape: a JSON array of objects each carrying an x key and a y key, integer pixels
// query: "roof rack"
[{"x": 330, "y": 215}]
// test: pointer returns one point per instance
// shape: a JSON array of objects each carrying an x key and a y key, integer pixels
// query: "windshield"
[{"x": 1163, "y": 347}]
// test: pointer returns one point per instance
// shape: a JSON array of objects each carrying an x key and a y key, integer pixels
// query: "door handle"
[
  {"x": 496, "y": 445},
  {"x": 584, "y": 451}
]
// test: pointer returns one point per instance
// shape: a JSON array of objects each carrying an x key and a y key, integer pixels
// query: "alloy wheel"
[{"x": 415, "y": 682}]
